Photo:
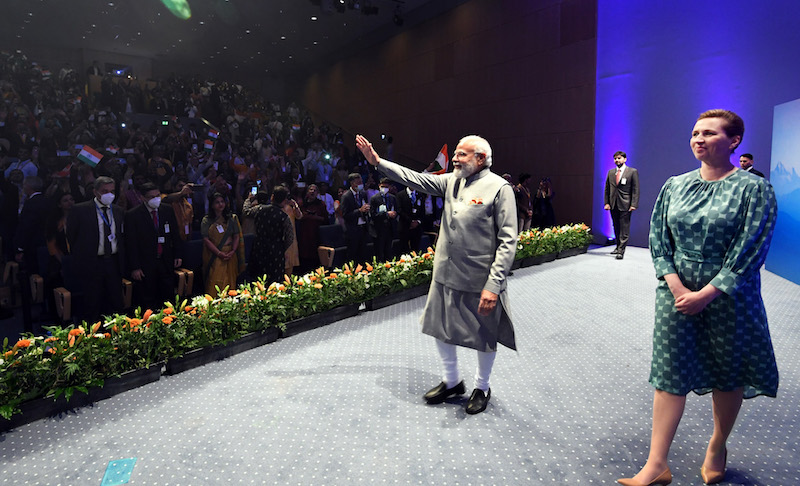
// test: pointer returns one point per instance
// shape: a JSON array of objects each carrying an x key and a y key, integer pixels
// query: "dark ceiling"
[{"x": 241, "y": 38}]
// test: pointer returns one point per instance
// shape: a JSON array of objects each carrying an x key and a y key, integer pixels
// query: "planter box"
[
  {"x": 538, "y": 260},
  {"x": 199, "y": 357},
  {"x": 517, "y": 264},
  {"x": 572, "y": 251},
  {"x": 48, "y": 407},
  {"x": 403, "y": 295},
  {"x": 318, "y": 320}
]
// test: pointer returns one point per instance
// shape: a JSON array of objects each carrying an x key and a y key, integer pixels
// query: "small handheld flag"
[
  {"x": 213, "y": 133},
  {"x": 440, "y": 165},
  {"x": 208, "y": 145},
  {"x": 89, "y": 156}
]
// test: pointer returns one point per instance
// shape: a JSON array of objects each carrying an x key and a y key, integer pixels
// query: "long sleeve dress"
[{"x": 715, "y": 232}]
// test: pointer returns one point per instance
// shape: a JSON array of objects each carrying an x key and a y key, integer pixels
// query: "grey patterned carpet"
[{"x": 342, "y": 404}]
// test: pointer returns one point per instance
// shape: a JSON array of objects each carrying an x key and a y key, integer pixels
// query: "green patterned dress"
[{"x": 715, "y": 232}]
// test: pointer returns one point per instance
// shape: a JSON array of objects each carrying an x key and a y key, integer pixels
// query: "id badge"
[
  {"x": 220, "y": 229},
  {"x": 162, "y": 240},
  {"x": 166, "y": 228},
  {"x": 382, "y": 208},
  {"x": 623, "y": 181}
]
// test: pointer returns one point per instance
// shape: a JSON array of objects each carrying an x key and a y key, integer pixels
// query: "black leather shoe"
[
  {"x": 440, "y": 393},
  {"x": 620, "y": 256},
  {"x": 616, "y": 251},
  {"x": 478, "y": 401}
]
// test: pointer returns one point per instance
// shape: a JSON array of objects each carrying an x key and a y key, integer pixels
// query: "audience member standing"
[
  {"x": 223, "y": 246},
  {"x": 315, "y": 214},
  {"x": 621, "y": 198},
  {"x": 95, "y": 236},
  {"x": 154, "y": 248},
  {"x": 30, "y": 230},
  {"x": 383, "y": 207},
  {"x": 524, "y": 202},
  {"x": 274, "y": 235},
  {"x": 292, "y": 210},
  {"x": 355, "y": 211},
  {"x": 411, "y": 208}
]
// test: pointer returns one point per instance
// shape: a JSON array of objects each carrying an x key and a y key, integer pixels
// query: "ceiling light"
[{"x": 313, "y": 18}]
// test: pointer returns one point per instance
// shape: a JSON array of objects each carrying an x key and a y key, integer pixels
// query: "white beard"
[{"x": 465, "y": 171}]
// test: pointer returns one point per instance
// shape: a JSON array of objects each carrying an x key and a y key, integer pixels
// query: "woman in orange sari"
[{"x": 223, "y": 246}]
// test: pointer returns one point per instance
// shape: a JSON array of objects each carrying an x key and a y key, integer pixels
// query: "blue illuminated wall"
[
  {"x": 784, "y": 256},
  {"x": 661, "y": 63}
]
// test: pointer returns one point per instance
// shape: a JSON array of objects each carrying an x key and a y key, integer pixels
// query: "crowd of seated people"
[{"x": 220, "y": 146}]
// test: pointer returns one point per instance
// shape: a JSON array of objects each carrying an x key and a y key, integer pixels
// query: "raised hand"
[{"x": 366, "y": 148}]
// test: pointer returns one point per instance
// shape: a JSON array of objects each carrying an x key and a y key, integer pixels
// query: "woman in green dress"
[{"x": 709, "y": 236}]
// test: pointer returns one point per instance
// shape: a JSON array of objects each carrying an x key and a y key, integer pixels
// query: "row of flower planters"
[
  {"x": 548, "y": 257},
  {"x": 48, "y": 407}
]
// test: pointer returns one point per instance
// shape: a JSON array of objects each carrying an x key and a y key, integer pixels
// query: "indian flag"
[
  {"x": 89, "y": 156},
  {"x": 208, "y": 145},
  {"x": 440, "y": 165},
  {"x": 213, "y": 133}
]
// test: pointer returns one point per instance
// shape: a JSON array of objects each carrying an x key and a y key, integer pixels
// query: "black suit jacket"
[
  {"x": 622, "y": 196},
  {"x": 406, "y": 209},
  {"x": 83, "y": 234},
  {"x": 755, "y": 172},
  {"x": 141, "y": 238},
  {"x": 30, "y": 230},
  {"x": 381, "y": 220},
  {"x": 350, "y": 207}
]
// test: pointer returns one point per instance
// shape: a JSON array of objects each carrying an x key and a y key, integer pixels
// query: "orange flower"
[
  {"x": 8, "y": 354},
  {"x": 430, "y": 250},
  {"x": 300, "y": 283},
  {"x": 135, "y": 322},
  {"x": 188, "y": 308},
  {"x": 167, "y": 320},
  {"x": 51, "y": 339},
  {"x": 318, "y": 286},
  {"x": 71, "y": 341},
  {"x": 95, "y": 327},
  {"x": 106, "y": 335},
  {"x": 414, "y": 254},
  {"x": 387, "y": 265},
  {"x": 313, "y": 278},
  {"x": 233, "y": 293},
  {"x": 281, "y": 288},
  {"x": 359, "y": 268},
  {"x": 75, "y": 332},
  {"x": 369, "y": 267},
  {"x": 23, "y": 343},
  {"x": 147, "y": 315},
  {"x": 348, "y": 272},
  {"x": 209, "y": 298},
  {"x": 321, "y": 271},
  {"x": 167, "y": 311},
  {"x": 245, "y": 292},
  {"x": 115, "y": 328},
  {"x": 287, "y": 279},
  {"x": 332, "y": 275}
]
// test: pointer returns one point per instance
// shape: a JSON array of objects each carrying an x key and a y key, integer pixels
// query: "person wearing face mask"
[
  {"x": 355, "y": 211},
  {"x": 383, "y": 207},
  {"x": 97, "y": 246},
  {"x": 154, "y": 248},
  {"x": 467, "y": 301}
]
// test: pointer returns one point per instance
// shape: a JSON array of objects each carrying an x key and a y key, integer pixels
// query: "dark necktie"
[
  {"x": 107, "y": 233},
  {"x": 155, "y": 223}
]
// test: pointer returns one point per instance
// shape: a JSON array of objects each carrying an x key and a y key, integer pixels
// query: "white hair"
[{"x": 480, "y": 146}]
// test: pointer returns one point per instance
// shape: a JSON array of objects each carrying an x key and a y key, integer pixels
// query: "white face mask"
[
  {"x": 107, "y": 198},
  {"x": 155, "y": 202},
  {"x": 384, "y": 190},
  {"x": 360, "y": 187}
]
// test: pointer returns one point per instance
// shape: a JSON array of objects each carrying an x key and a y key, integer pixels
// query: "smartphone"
[{"x": 254, "y": 190}]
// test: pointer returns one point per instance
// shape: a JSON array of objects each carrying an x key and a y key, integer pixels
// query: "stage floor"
[{"x": 343, "y": 404}]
